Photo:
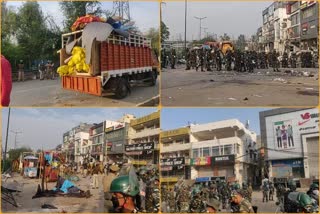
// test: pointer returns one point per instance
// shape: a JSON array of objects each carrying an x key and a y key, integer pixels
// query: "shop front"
[
  {"x": 291, "y": 168},
  {"x": 141, "y": 154},
  {"x": 172, "y": 168},
  {"x": 224, "y": 166}
]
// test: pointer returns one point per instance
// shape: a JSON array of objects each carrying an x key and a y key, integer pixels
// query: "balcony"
[
  {"x": 146, "y": 132},
  {"x": 174, "y": 147}
]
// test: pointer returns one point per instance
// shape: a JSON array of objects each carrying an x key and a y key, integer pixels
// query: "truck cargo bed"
[{"x": 84, "y": 84}]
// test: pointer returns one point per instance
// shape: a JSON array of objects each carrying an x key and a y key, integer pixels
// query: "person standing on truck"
[
  {"x": 21, "y": 71},
  {"x": 6, "y": 81}
]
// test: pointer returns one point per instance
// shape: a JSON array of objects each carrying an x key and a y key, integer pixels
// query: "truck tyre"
[
  {"x": 153, "y": 78},
  {"x": 122, "y": 89}
]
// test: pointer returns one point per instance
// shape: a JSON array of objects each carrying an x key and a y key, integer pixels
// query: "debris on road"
[{"x": 231, "y": 98}]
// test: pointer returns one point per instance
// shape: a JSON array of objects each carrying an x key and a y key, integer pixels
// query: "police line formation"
[
  {"x": 219, "y": 195},
  {"x": 208, "y": 57}
]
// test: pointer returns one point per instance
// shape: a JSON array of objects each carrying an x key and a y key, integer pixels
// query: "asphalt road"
[
  {"x": 261, "y": 88},
  {"x": 50, "y": 93}
]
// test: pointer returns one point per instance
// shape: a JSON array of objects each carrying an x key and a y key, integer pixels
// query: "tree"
[
  {"x": 207, "y": 39},
  {"x": 74, "y": 9},
  {"x": 164, "y": 32},
  {"x": 14, "y": 154},
  {"x": 153, "y": 34},
  {"x": 31, "y": 30},
  {"x": 225, "y": 37},
  {"x": 241, "y": 42}
]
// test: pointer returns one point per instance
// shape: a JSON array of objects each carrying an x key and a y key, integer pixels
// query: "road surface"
[
  {"x": 49, "y": 93},
  {"x": 228, "y": 88},
  {"x": 68, "y": 204}
]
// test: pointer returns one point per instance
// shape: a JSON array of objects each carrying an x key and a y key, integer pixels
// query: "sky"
[
  {"x": 233, "y": 18},
  {"x": 44, "y": 127},
  {"x": 172, "y": 118},
  {"x": 145, "y": 14}
]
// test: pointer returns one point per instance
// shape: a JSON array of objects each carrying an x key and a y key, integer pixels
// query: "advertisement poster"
[{"x": 283, "y": 135}]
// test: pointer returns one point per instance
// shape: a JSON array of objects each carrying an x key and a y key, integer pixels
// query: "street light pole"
[
  {"x": 200, "y": 19},
  {"x": 185, "y": 26},
  {"x": 15, "y": 137}
]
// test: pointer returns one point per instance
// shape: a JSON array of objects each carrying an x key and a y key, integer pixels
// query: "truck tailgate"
[{"x": 84, "y": 84}]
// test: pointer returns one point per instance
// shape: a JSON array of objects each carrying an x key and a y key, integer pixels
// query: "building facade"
[
  {"x": 143, "y": 143},
  {"x": 204, "y": 152},
  {"x": 175, "y": 155},
  {"x": 291, "y": 141}
]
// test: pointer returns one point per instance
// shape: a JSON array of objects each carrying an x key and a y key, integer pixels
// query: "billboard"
[{"x": 284, "y": 133}]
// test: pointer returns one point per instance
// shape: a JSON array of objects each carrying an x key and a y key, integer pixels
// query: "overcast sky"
[
  {"x": 233, "y": 18},
  {"x": 145, "y": 14},
  {"x": 44, "y": 127}
]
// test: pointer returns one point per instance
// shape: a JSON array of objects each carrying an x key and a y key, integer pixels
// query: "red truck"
[{"x": 116, "y": 64}]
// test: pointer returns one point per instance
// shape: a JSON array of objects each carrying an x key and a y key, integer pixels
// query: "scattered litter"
[
  {"x": 231, "y": 98},
  {"x": 246, "y": 98},
  {"x": 305, "y": 73},
  {"x": 280, "y": 80},
  {"x": 309, "y": 88},
  {"x": 211, "y": 80},
  {"x": 256, "y": 95},
  {"x": 170, "y": 97},
  {"x": 288, "y": 71},
  {"x": 268, "y": 72},
  {"x": 311, "y": 75},
  {"x": 179, "y": 88}
]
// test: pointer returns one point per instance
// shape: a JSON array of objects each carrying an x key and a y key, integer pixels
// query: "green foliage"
[
  {"x": 153, "y": 34},
  {"x": 28, "y": 35},
  {"x": 14, "y": 154},
  {"x": 165, "y": 33},
  {"x": 74, "y": 9},
  {"x": 207, "y": 39}
]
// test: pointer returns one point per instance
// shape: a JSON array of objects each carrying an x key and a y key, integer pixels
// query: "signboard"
[
  {"x": 169, "y": 179},
  {"x": 175, "y": 132},
  {"x": 134, "y": 153},
  {"x": 139, "y": 147},
  {"x": 109, "y": 129},
  {"x": 284, "y": 133},
  {"x": 201, "y": 161},
  {"x": 119, "y": 126},
  {"x": 222, "y": 160},
  {"x": 172, "y": 161},
  {"x": 203, "y": 179},
  {"x": 166, "y": 168},
  {"x": 150, "y": 117},
  {"x": 136, "y": 162}
]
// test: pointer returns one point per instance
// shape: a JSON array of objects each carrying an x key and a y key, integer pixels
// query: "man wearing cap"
[{"x": 107, "y": 179}]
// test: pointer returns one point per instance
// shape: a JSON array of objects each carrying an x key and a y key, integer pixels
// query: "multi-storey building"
[
  {"x": 309, "y": 20},
  {"x": 175, "y": 155},
  {"x": 224, "y": 149},
  {"x": 290, "y": 138},
  {"x": 143, "y": 145}
]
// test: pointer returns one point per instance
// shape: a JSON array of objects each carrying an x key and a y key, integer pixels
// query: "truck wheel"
[
  {"x": 122, "y": 89},
  {"x": 153, "y": 78}
]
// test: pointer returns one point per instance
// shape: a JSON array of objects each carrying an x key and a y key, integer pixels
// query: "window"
[
  {"x": 195, "y": 153},
  {"x": 206, "y": 152},
  {"x": 309, "y": 12},
  {"x": 238, "y": 149},
  {"x": 215, "y": 151},
  {"x": 295, "y": 19},
  {"x": 227, "y": 149},
  {"x": 295, "y": 7}
]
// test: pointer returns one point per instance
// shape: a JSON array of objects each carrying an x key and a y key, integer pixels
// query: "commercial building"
[
  {"x": 224, "y": 149},
  {"x": 290, "y": 138},
  {"x": 116, "y": 137},
  {"x": 309, "y": 25},
  {"x": 73, "y": 141},
  {"x": 143, "y": 144},
  {"x": 96, "y": 141},
  {"x": 175, "y": 149}
]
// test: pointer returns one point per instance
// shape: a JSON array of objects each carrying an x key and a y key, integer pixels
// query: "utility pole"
[
  {"x": 200, "y": 19},
  {"x": 185, "y": 26},
  {"x": 15, "y": 137},
  {"x": 6, "y": 145}
]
